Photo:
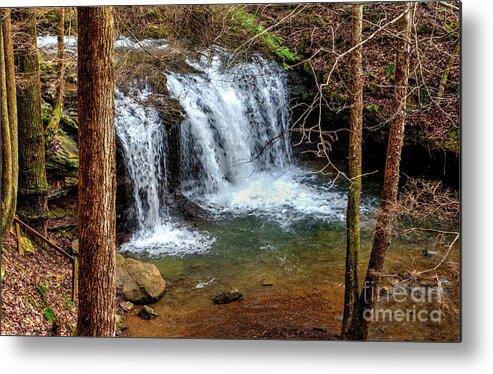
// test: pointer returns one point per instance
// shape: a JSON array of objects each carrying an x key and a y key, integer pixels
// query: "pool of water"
[{"x": 291, "y": 273}]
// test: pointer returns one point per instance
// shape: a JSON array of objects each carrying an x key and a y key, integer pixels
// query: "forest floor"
[{"x": 37, "y": 291}]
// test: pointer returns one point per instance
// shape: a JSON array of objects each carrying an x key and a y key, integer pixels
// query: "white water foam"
[
  {"x": 144, "y": 143},
  {"x": 235, "y": 144}
]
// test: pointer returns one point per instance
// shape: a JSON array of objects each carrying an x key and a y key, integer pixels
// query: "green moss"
[
  {"x": 62, "y": 155},
  {"x": 49, "y": 314},
  {"x": 28, "y": 246},
  {"x": 52, "y": 16},
  {"x": 70, "y": 122},
  {"x": 157, "y": 32},
  {"x": 371, "y": 108},
  {"x": 453, "y": 140},
  {"x": 46, "y": 112},
  {"x": 67, "y": 301},
  {"x": 42, "y": 288},
  {"x": 248, "y": 22},
  {"x": 390, "y": 69},
  {"x": 58, "y": 213}
]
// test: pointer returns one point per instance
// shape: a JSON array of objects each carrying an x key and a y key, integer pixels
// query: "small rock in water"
[
  {"x": 127, "y": 306},
  {"x": 147, "y": 313},
  {"x": 202, "y": 285},
  {"x": 228, "y": 296}
]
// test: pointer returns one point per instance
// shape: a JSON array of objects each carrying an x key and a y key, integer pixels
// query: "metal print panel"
[{"x": 261, "y": 171}]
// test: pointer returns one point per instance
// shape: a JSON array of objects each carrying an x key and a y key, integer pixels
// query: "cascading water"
[
  {"x": 237, "y": 122},
  {"x": 236, "y": 151},
  {"x": 143, "y": 139}
]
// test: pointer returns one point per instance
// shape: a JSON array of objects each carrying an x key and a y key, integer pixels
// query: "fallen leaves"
[{"x": 34, "y": 293}]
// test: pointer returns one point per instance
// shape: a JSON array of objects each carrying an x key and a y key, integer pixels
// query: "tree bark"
[
  {"x": 8, "y": 55},
  {"x": 446, "y": 73},
  {"x": 97, "y": 172},
  {"x": 58, "y": 110},
  {"x": 386, "y": 214},
  {"x": 33, "y": 187},
  {"x": 353, "y": 244},
  {"x": 6, "y": 143}
]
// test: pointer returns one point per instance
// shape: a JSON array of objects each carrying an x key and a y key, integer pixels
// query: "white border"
[{"x": 79, "y": 355}]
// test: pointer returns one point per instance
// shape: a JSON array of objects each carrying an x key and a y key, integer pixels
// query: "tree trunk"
[
  {"x": 33, "y": 187},
  {"x": 446, "y": 73},
  {"x": 58, "y": 110},
  {"x": 354, "y": 173},
  {"x": 97, "y": 172},
  {"x": 381, "y": 240},
  {"x": 8, "y": 55},
  {"x": 6, "y": 144}
]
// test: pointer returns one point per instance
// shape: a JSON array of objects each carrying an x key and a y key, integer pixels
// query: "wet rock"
[
  {"x": 189, "y": 209},
  {"x": 127, "y": 306},
  {"x": 228, "y": 296},
  {"x": 139, "y": 282},
  {"x": 147, "y": 313}
]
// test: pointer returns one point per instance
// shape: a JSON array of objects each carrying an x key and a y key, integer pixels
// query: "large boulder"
[{"x": 139, "y": 282}]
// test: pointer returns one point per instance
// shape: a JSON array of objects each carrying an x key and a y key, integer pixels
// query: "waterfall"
[
  {"x": 236, "y": 155},
  {"x": 236, "y": 151},
  {"x": 143, "y": 140},
  {"x": 144, "y": 143},
  {"x": 237, "y": 122}
]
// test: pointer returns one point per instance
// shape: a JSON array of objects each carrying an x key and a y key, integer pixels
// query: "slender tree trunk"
[
  {"x": 381, "y": 240},
  {"x": 97, "y": 172},
  {"x": 354, "y": 173},
  {"x": 8, "y": 56},
  {"x": 446, "y": 73},
  {"x": 7, "y": 168},
  {"x": 33, "y": 188},
  {"x": 58, "y": 110}
]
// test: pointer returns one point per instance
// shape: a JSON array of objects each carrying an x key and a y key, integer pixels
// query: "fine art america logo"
[{"x": 423, "y": 299}]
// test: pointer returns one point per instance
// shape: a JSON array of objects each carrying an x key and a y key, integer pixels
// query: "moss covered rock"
[
  {"x": 62, "y": 155},
  {"x": 27, "y": 245},
  {"x": 147, "y": 313}
]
